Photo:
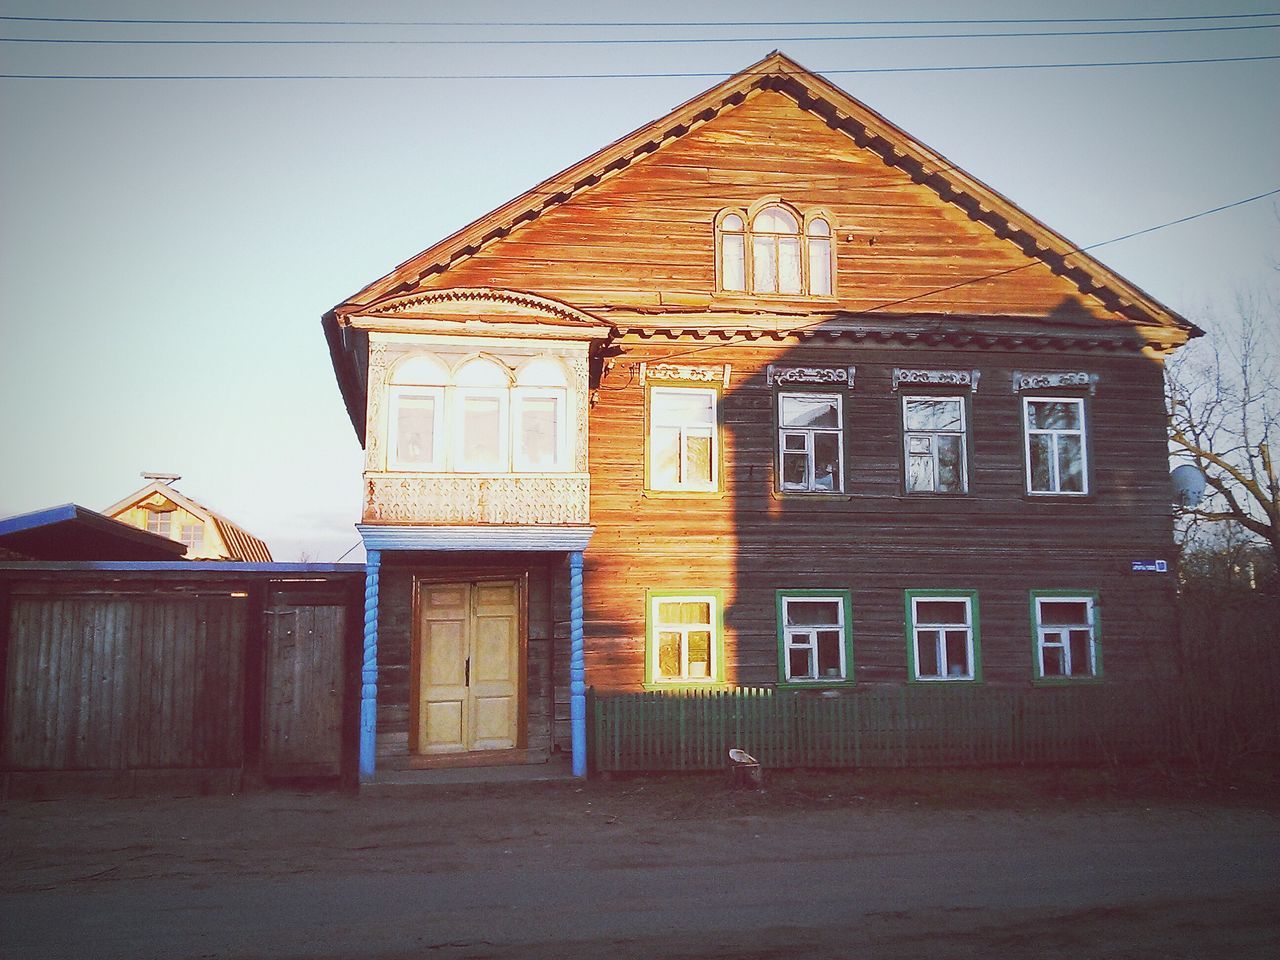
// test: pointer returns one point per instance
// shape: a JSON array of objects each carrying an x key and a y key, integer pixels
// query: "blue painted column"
[
  {"x": 369, "y": 669},
  {"x": 577, "y": 668}
]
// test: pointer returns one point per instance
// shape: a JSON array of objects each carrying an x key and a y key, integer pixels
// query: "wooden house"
[
  {"x": 160, "y": 509},
  {"x": 765, "y": 394}
]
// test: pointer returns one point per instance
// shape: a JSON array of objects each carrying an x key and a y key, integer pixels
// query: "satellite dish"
[{"x": 1188, "y": 485}]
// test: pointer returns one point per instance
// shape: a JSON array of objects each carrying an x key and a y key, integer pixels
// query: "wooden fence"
[
  {"x": 878, "y": 727},
  {"x": 197, "y": 679}
]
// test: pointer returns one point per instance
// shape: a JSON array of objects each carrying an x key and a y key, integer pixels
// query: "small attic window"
[{"x": 775, "y": 249}]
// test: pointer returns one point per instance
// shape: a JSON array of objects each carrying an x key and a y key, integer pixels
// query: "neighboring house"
[
  {"x": 73, "y": 532},
  {"x": 160, "y": 509},
  {"x": 765, "y": 393}
]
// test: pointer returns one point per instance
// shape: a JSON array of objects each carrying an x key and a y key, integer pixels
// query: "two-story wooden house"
[{"x": 765, "y": 393}]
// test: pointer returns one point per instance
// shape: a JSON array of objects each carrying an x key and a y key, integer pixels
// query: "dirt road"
[{"x": 666, "y": 868}]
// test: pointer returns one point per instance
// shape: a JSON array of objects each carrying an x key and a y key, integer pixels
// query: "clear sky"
[{"x": 167, "y": 246}]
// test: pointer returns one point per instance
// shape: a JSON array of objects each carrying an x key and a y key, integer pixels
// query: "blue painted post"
[
  {"x": 369, "y": 669},
  {"x": 577, "y": 668}
]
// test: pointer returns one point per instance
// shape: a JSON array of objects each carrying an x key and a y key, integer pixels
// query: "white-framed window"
[
  {"x": 1066, "y": 635},
  {"x": 813, "y": 636},
  {"x": 933, "y": 430},
  {"x": 772, "y": 248},
  {"x": 684, "y": 637},
  {"x": 480, "y": 418},
  {"x": 683, "y": 439},
  {"x": 1056, "y": 450},
  {"x": 943, "y": 629},
  {"x": 810, "y": 442},
  {"x": 159, "y": 522},
  {"x": 193, "y": 535}
]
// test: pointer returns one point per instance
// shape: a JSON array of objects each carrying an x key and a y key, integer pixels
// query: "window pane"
[
  {"x": 950, "y": 473},
  {"x": 796, "y": 442},
  {"x": 699, "y": 654},
  {"x": 733, "y": 273},
  {"x": 482, "y": 432},
  {"x": 795, "y": 470},
  {"x": 682, "y": 407},
  {"x": 1063, "y": 613},
  {"x": 813, "y": 612},
  {"x": 941, "y": 611},
  {"x": 698, "y": 466},
  {"x": 798, "y": 660},
  {"x": 538, "y": 431},
  {"x": 415, "y": 430},
  {"x": 819, "y": 228},
  {"x": 668, "y": 654},
  {"x": 775, "y": 220},
  {"x": 957, "y": 653},
  {"x": 927, "y": 652},
  {"x": 482, "y": 373},
  {"x": 193, "y": 535},
  {"x": 1041, "y": 454},
  {"x": 731, "y": 222},
  {"x": 829, "y": 653},
  {"x": 1055, "y": 661},
  {"x": 664, "y": 453},
  {"x": 158, "y": 523},
  {"x": 1080, "y": 661},
  {"x": 1053, "y": 415},
  {"x": 820, "y": 268},
  {"x": 684, "y": 612},
  {"x": 920, "y": 473},
  {"x": 764, "y": 273},
  {"x": 1070, "y": 464},
  {"x": 826, "y": 461},
  {"x": 801, "y": 411},
  {"x": 932, "y": 414},
  {"x": 789, "y": 264}
]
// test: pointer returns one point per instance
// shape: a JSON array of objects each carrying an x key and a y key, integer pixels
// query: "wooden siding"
[
  {"x": 876, "y": 541},
  {"x": 547, "y": 659},
  {"x": 644, "y": 236}
]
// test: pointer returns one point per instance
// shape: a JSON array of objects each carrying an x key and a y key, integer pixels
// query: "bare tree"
[{"x": 1224, "y": 416}]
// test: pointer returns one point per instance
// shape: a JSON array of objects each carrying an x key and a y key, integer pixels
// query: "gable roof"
[
  {"x": 842, "y": 112},
  {"x": 73, "y": 532},
  {"x": 240, "y": 543}
]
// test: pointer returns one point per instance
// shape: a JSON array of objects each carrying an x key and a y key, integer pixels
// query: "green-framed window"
[
  {"x": 943, "y": 641},
  {"x": 684, "y": 637},
  {"x": 815, "y": 637},
  {"x": 1064, "y": 634},
  {"x": 683, "y": 440}
]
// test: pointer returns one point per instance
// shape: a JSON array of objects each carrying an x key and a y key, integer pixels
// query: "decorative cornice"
[
  {"x": 482, "y": 295},
  {"x": 833, "y": 376},
  {"x": 1053, "y": 379},
  {"x": 686, "y": 373},
  {"x": 521, "y": 538},
  {"x": 937, "y": 378}
]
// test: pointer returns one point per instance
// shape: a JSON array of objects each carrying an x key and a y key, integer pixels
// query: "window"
[
  {"x": 934, "y": 434},
  {"x": 775, "y": 250},
  {"x": 685, "y": 643},
  {"x": 193, "y": 535},
  {"x": 1056, "y": 457},
  {"x": 810, "y": 443},
  {"x": 158, "y": 522},
  {"x": 942, "y": 635},
  {"x": 683, "y": 442},
  {"x": 1066, "y": 635},
  {"x": 814, "y": 636},
  {"x": 481, "y": 418}
]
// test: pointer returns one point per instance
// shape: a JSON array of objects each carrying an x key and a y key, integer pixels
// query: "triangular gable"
[
  {"x": 839, "y": 111},
  {"x": 240, "y": 544}
]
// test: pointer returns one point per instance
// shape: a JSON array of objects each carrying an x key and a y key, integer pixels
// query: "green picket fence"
[{"x": 877, "y": 727}]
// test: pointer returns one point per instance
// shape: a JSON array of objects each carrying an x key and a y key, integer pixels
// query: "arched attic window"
[
  {"x": 417, "y": 414},
  {"x": 540, "y": 431},
  {"x": 789, "y": 254},
  {"x": 481, "y": 416}
]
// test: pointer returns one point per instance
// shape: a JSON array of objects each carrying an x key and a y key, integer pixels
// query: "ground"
[{"x": 1050, "y": 864}]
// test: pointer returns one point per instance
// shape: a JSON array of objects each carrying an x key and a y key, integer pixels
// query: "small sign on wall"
[{"x": 1150, "y": 566}]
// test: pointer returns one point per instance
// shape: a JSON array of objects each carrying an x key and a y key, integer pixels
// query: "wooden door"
[
  {"x": 302, "y": 701},
  {"x": 468, "y": 667}
]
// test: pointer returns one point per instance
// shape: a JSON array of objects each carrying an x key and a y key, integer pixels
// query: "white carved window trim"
[
  {"x": 812, "y": 246},
  {"x": 809, "y": 435},
  {"x": 710, "y": 430},
  {"x": 931, "y": 435},
  {"x": 1055, "y": 486}
]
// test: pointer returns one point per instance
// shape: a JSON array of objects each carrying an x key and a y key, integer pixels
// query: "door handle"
[{"x": 467, "y": 681}]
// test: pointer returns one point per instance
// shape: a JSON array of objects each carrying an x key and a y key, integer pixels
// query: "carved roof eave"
[
  {"x": 841, "y": 111},
  {"x": 477, "y": 311}
]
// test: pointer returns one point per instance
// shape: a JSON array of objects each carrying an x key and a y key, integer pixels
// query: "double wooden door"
[{"x": 467, "y": 667}]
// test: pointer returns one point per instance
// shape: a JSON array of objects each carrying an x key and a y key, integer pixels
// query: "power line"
[
  {"x": 998, "y": 273},
  {"x": 617, "y": 76},
  {"x": 629, "y": 23},
  {"x": 606, "y": 41}
]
